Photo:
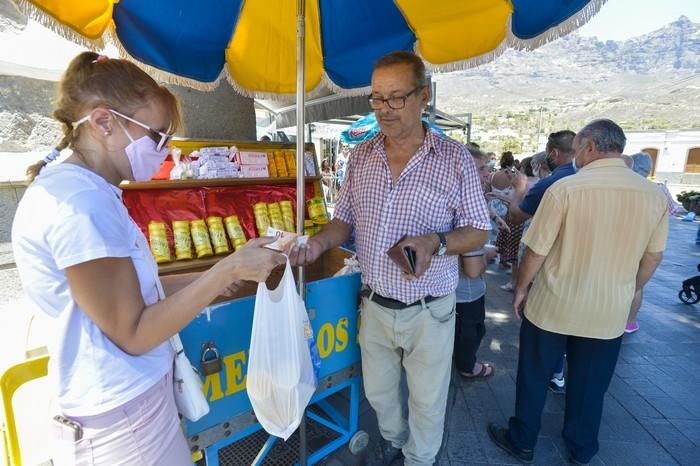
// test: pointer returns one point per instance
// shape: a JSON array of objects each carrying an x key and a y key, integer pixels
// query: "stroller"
[{"x": 690, "y": 294}]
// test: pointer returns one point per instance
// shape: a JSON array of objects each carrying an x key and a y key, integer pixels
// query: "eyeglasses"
[
  {"x": 394, "y": 103},
  {"x": 159, "y": 137}
]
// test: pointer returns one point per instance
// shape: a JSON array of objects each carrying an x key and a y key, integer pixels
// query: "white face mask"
[{"x": 144, "y": 158}]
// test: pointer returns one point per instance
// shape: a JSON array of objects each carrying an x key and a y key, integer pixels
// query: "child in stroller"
[{"x": 690, "y": 294}]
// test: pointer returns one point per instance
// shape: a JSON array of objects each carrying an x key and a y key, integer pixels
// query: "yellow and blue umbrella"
[{"x": 252, "y": 43}]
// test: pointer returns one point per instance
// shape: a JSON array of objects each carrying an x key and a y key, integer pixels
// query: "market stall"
[{"x": 191, "y": 224}]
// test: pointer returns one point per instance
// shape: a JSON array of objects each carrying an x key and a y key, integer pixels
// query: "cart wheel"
[
  {"x": 689, "y": 296},
  {"x": 358, "y": 442}
]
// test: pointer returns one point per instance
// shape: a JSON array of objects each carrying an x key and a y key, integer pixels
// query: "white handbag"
[{"x": 187, "y": 386}]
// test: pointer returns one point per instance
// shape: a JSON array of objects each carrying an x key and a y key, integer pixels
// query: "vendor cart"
[{"x": 230, "y": 434}]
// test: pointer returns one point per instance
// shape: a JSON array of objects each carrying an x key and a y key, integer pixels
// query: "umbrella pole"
[{"x": 301, "y": 106}]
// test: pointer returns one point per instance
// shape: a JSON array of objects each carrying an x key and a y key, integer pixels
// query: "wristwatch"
[{"x": 443, "y": 244}]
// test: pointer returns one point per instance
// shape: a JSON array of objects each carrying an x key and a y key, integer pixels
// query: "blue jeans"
[{"x": 697, "y": 236}]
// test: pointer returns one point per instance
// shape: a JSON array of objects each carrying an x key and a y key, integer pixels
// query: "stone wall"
[{"x": 10, "y": 194}]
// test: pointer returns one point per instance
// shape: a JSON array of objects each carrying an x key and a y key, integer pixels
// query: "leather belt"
[{"x": 392, "y": 303}]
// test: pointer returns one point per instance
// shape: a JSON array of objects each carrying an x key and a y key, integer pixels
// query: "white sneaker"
[{"x": 507, "y": 287}]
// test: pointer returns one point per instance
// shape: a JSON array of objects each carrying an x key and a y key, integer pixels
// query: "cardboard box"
[
  {"x": 252, "y": 158},
  {"x": 254, "y": 171}
]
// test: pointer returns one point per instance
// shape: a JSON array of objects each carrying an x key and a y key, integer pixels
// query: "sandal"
[{"x": 487, "y": 370}]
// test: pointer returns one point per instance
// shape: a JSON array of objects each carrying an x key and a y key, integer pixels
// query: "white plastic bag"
[{"x": 281, "y": 377}]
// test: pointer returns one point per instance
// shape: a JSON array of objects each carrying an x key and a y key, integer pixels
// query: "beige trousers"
[{"x": 419, "y": 339}]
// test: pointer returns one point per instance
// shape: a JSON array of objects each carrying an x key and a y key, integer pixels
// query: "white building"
[{"x": 675, "y": 155}]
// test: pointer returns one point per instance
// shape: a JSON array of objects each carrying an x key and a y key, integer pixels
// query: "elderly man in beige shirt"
[{"x": 596, "y": 238}]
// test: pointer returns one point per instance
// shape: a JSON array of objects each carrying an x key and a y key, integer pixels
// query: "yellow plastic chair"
[{"x": 13, "y": 378}]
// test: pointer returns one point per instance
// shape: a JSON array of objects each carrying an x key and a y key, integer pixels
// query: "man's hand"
[
  {"x": 519, "y": 301},
  {"x": 424, "y": 246},
  {"x": 306, "y": 254}
]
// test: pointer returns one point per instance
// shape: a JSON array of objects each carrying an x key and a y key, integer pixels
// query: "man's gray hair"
[
  {"x": 606, "y": 134},
  {"x": 641, "y": 163}
]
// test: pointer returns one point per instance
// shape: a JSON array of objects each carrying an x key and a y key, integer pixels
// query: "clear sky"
[{"x": 622, "y": 19}]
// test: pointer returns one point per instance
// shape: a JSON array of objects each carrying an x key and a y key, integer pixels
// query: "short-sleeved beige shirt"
[{"x": 593, "y": 227}]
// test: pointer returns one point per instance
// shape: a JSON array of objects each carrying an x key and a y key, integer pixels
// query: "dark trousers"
[
  {"x": 591, "y": 366},
  {"x": 469, "y": 331}
]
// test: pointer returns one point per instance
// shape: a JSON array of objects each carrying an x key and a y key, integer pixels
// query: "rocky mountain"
[{"x": 649, "y": 81}]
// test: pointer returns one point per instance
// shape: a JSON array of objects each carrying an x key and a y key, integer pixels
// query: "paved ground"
[{"x": 652, "y": 411}]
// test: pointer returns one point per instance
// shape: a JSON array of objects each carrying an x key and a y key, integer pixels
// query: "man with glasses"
[{"x": 413, "y": 188}]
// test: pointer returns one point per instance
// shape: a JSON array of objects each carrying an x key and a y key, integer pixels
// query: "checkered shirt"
[{"x": 438, "y": 191}]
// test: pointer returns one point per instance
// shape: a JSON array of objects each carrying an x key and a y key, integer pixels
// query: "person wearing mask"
[
  {"x": 523, "y": 204},
  {"x": 86, "y": 264},
  {"x": 577, "y": 280}
]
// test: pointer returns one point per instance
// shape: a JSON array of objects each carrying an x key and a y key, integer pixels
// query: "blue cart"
[{"x": 230, "y": 434}]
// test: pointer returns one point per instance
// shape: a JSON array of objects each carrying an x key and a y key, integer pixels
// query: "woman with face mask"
[{"x": 86, "y": 264}]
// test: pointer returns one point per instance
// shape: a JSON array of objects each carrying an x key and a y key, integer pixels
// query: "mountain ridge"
[{"x": 651, "y": 81}]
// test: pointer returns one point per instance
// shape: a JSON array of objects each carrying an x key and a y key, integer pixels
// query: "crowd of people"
[{"x": 550, "y": 218}]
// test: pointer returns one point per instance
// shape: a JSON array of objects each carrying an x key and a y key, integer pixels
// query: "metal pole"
[
  {"x": 433, "y": 100},
  {"x": 301, "y": 205}
]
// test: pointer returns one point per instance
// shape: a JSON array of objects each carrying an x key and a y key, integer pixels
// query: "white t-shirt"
[{"x": 67, "y": 216}]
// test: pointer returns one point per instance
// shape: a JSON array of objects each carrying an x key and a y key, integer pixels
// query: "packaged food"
[
  {"x": 262, "y": 218},
  {"x": 271, "y": 166},
  {"x": 252, "y": 158},
  {"x": 288, "y": 216},
  {"x": 200, "y": 238},
  {"x": 316, "y": 208},
  {"x": 158, "y": 240},
  {"x": 183, "y": 240},
  {"x": 309, "y": 228},
  {"x": 235, "y": 231},
  {"x": 276, "y": 219},
  {"x": 218, "y": 235},
  {"x": 281, "y": 164},
  {"x": 309, "y": 167},
  {"x": 289, "y": 159},
  {"x": 255, "y": 171}
]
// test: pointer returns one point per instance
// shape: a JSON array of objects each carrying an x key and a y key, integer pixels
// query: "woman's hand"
[{"x": 252, "y": 262}]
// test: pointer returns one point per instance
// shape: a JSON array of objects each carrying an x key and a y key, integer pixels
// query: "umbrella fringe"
[
  {"x": 336, "y": 89},
  {"x": 162, "y": 75},
  {"x": 472, "y": 62},
  {"x": 34, "y": 13},
  {"x": 562, "y": 29}
]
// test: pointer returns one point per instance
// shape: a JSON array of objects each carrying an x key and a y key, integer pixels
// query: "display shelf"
[{"x": 210, "y": 183}]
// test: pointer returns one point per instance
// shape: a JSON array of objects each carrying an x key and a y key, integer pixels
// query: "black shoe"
[
  {"x": 573, "y": 460},
  {"x": 499, "y": 436},
  {"x": 384, "y": 454}
]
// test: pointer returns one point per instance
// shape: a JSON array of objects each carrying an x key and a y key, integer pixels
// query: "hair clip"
[
  {"x": 100, "y": 59},
  {"x": 53, "y": 155}
]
